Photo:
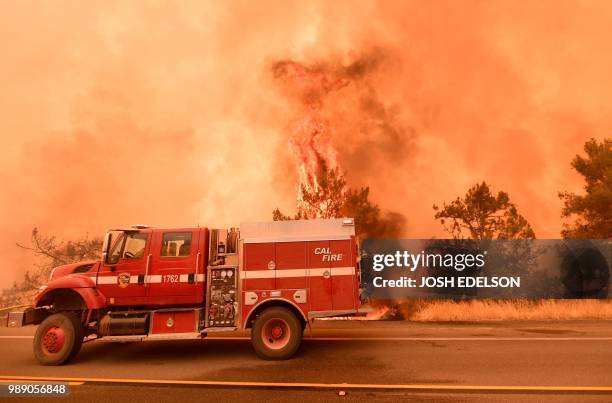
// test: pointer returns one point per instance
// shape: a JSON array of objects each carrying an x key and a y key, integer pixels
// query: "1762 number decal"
[{"x": 170, "y": 278}]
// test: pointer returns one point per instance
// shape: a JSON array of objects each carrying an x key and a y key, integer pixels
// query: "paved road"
[{"x": 497, "y": 361}]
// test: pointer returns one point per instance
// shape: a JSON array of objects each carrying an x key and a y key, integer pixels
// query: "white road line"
[
  {"x": 485, "y": 338},
  {"x": 400, "y": 338},
  {"x": 9, "y": 380}
]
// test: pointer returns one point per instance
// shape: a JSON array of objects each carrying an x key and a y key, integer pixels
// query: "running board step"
[
  {"x": 157, "y": 336},
  {"x": 219, "y": 329}
]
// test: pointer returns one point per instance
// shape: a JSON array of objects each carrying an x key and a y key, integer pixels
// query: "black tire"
[
  {"x": 288, "y": 341},
  {"x": 47, "y": 349}
]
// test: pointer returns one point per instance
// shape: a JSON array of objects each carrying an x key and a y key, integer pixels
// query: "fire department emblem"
[{"x": 123, "y": 279}]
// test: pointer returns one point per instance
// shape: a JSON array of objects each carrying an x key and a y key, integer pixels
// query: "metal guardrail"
[{"x": 6, "y": 309}]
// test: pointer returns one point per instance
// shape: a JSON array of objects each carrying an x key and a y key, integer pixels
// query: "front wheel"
[
  {"x": 276, "y": 334},
  {"x": 58, "y": 339}
]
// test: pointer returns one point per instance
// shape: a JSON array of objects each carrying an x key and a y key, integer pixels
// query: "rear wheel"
[
  {"x": 276, "y": 334},
  {"x": 58, "y": 339}
]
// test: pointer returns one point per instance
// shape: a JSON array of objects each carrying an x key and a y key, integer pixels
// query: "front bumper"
[{"x": 29, "y": 316}]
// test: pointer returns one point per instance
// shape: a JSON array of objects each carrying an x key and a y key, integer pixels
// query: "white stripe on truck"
[
  {"x": 288, "y": 273},
  {"x": 245, "y": 274},
  {"x": 152, "y": 279}
]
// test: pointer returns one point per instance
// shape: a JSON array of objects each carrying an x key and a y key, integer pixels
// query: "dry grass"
[{"x": 475, "y": 310}]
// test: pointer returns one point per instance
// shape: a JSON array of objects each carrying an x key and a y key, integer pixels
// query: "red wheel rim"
[
  {"x": 275, "y": 334},
  {"x": 53, "y": 340}
]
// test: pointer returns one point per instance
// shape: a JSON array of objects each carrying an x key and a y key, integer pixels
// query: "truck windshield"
[{"x": 114, "y": 254}]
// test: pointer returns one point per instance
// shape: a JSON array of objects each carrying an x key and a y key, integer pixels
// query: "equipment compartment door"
[
  {"x": 343, "y": 274},
  {"x": 319, "y": 278},
  {"x": 176, "y": 274},
  {"x": 259, "y": 266},
  {"x": 291, "y": 272}
]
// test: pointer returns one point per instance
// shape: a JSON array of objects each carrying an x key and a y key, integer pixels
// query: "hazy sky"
[{"x": 116, "y": 113}]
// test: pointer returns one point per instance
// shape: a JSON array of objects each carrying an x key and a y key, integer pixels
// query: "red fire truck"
[{"x": 184, "y": 283}]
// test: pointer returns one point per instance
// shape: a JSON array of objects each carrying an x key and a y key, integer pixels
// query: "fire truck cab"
[{"x": 182, "y": 283}]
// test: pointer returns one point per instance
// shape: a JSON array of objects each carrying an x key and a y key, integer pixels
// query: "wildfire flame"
[
  {"x": 378, "y": 313},
  {"x": 313, "y": 149},
  {"x": 311, "y": 134}
]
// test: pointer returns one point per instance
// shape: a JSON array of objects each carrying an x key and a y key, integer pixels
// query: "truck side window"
[
  {"x": 176, "y": 244},
  {"x": 135, "y": 246}
]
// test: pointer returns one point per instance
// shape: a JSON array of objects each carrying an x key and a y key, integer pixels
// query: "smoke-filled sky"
[{"x": 115, "y": 113}]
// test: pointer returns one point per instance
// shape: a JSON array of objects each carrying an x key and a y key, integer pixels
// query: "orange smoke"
[{"x": 167, "y": 114}]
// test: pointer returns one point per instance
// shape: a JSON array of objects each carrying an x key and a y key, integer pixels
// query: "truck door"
[
  {"x": 121, "y": 278},
  {"x": 175, "y": 274}
]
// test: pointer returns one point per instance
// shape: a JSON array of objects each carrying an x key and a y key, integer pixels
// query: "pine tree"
[
  {"x": 483, "y": 215},
  {"x": 592, "y": 212}
]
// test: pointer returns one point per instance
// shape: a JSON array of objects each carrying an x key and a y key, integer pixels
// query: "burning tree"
[
  {"x": 332, "y": 199},
  {"x": 325, "y": 200}
]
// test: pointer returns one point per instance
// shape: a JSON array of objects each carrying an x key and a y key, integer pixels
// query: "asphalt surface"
[{"x": 387, "y": 361}]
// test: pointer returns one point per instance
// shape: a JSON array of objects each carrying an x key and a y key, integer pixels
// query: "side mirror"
[{"x": 106, "y": 246}]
